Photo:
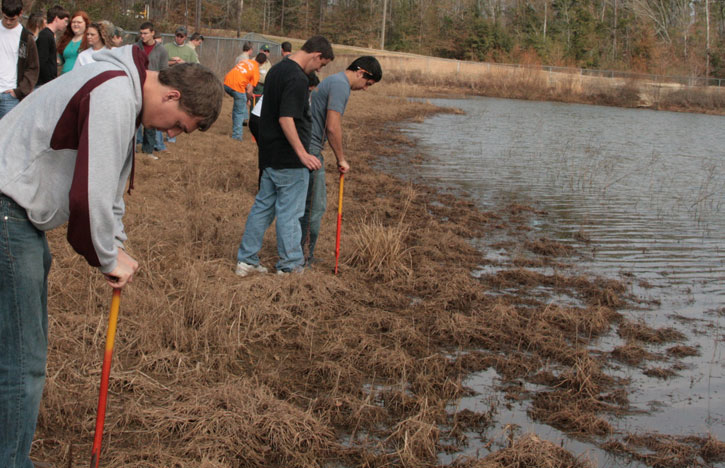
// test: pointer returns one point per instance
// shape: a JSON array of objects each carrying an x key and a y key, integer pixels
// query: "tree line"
[{"x": 675, "y": 37}]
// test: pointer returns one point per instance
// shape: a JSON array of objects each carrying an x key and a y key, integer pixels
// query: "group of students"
[
  {"x": 68, "y": 158},
  {"x": 292, "y": 123},
  {"x": 30, "y": 56},
  {"x": 162, "y": 56}
]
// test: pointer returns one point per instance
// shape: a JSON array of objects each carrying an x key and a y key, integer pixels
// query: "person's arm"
[
  {"x": 333, "y": 130},
  {"x": 46, "y": 58},
  {"x": 103, "y": 165},
  {"x": 290, "y": 132}
]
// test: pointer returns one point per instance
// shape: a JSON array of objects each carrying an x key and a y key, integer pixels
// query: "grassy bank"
[
  {"x": 360, "y": 369},
  {"x": 445, "y": 77}
]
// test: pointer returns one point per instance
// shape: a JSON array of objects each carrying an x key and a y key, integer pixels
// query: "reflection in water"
[{"x": 648, "y": 189}]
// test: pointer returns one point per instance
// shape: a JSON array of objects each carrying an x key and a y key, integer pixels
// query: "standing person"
[
  {"x": 158, "y": 60},
  {"x": 18, "y": 58},
  {"x": 263, "y": 70},
  {"x": 195, "y": 41},
  {"x": 284, "y": 135},
  {"x": 74, "y": 40},
  {"x": 57, "y": 22},
  {"x": 286, "y": 49},
  {"x": 97, "y": 39},
  {"x": 117, "y": 37},
  {"x": 238, "y": 83},
  {"x": 178, "y": 51},
  {"x": 79, "y": 128},
  {"x": 327, "y": 105},
  {"x": 35, "y": 24},
  {"x": 246, "y": 54}
]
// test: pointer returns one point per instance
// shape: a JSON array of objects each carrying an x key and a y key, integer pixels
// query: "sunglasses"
[
  {"x": 180, "y": 35},
  {"x": 365, "y": 74}
]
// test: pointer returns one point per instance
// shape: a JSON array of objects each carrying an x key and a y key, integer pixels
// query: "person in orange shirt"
[{"x": 239, "y": 83}]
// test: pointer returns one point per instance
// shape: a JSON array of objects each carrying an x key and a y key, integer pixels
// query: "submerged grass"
[{"x": 312, "y": 370}]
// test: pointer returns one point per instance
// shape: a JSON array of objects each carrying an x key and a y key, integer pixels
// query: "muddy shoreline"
[{"x": 358, "y": 369}]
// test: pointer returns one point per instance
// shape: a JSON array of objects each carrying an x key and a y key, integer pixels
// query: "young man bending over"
[{"x": 68, "y": 151}]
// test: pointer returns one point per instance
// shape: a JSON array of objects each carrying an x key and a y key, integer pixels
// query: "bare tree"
[{"x": 667, "y": 16}]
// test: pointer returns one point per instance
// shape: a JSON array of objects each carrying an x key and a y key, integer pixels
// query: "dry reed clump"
[
  {"x": 596, "y": 292},
  {"x": 549, "y": 247},
  {"x": 578, "y": 398},
  {"x": 681, "y": 351},
  {"x": 660, "y": 372},
  {"x": 668, "y": 451},
  {"x": 380, "y": 250},
  {"x": 639, "y": 331},
  {"x": 528, "y": 451},
  {"x": 631, "y": 353}
]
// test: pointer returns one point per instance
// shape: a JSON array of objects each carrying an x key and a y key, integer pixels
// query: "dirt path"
[{"x": 359, "y": 369}]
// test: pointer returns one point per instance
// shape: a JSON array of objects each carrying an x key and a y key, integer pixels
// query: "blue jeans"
[
  {"x": 159, "y": 146},
  {"x": 281, "y": 193},
  {"x": 239, "y": 112},
  {"x": 315, "y": 206},
  {"x": 7, "y": 102},
  {"x": 149, "y": 140},
  {"x": 24, "y": 265}
]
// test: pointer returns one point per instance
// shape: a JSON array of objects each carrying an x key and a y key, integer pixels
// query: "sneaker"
[
  {"x": 297, "y": 270},
  {"x": 151, "y": 155},
  {"x": 243, "y": 269}
]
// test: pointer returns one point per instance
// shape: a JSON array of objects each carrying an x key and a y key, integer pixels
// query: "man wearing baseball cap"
[
  {"x": 178, "y": 51},
  {"x": 263, "y": 69}
]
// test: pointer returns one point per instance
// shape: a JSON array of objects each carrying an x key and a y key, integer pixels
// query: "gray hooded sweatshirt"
[{"x": 68, "y": 150}]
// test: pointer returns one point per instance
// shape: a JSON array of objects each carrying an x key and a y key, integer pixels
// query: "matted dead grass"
[
  {"x": 357, "y": 369},
  {"x": 669, "y": 451}
]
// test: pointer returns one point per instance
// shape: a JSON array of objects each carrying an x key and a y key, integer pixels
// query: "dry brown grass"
[
  {"x": 425, "y": 76},
  {"x": 304, "y": 370},
  {"x": 669, "y": 451},
  {"x": 529, "y": 451}
]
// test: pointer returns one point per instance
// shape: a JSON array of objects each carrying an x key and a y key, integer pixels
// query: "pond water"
[{"x": 647, "y": 189}]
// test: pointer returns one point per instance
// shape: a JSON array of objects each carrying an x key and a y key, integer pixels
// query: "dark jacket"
[
  {"x": 47, "y": 56},
  {"x": 27, "y": 65}
]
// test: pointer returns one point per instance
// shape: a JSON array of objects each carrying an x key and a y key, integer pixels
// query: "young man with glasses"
[
  {"x": 18, "y": 57},
  {"x": 327, "y": 106}
]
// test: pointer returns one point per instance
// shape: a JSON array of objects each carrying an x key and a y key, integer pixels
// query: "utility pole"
[
  {"x": 198, "y": 15},
  {"x": 239, "y": 18},
  {"x": 707, "y": 42},
  {"x": 382, "y": 33}
]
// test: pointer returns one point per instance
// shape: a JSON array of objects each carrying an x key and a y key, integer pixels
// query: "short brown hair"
[
  {"x": 201, "y": 91},
  {"x": 319, "y": 44}
]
